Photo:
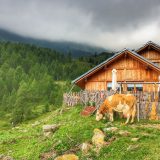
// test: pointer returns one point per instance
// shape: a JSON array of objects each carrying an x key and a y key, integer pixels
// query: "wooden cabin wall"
[
  {"x": 128, "y": 69},
  {"x": 95, "y": 86},
  {"x": 152, "y": 55}
]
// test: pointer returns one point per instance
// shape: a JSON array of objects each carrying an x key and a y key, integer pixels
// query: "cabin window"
[
  {"x": 109, "y": 86},
  {"x": 139, "y": 87},
  {"x": 130, "y": 87}
]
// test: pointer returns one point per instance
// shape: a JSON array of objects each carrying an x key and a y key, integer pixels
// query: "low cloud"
[{"x": 113, "y": 24}]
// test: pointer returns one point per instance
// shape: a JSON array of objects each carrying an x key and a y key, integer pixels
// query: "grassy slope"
[{"x": 28, "y": 142}]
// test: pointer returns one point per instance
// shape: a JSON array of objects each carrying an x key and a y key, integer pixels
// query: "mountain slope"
[{"x": 77, "y": 49}]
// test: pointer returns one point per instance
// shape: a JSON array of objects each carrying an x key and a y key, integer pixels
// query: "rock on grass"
[
  {"x": 133, "y": 147},
  {"x": 86, "y": 147},
  {"x": 48, "y": 155},
  {"x": 134, "y": 139},
  {"x": 124, "y": 133},
  {"x": 3, "y": 157},
  {"x": 67, "y": 157},
  {"x": 98, "y": 138},
  {"x": 110, "y": 129},
  {"x": 50, "y": 128}
]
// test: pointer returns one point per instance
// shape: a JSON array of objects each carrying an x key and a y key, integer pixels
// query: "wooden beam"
[
  {"x": 139, "y": 83},
  {"x": 144, "y": 62}
]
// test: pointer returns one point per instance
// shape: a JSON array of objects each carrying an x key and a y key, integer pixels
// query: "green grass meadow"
[{"x": 27, "y": 142}]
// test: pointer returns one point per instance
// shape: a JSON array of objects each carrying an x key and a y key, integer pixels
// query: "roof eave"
[
  {"x": 147, "y": 44},
  {"x": 96, "y": 67}
]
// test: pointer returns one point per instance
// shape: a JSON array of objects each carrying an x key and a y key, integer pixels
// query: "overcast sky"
[{"x": 113, "y": 24}]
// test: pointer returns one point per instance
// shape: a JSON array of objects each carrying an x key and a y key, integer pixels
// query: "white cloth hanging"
[{"x": 114, "y": 80}]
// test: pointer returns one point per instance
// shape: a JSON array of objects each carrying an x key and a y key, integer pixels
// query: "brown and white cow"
[{"x": 125, "y": 103}]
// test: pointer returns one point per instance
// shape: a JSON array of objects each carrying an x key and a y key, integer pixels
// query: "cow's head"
[
  {"x": 99, "y": 116},
  {"x": 103, "y": 109}
]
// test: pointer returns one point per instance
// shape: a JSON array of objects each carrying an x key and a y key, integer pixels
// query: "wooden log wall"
[
  {"x": 128, "y": 70},
  {"x": 152, "y": 55}
]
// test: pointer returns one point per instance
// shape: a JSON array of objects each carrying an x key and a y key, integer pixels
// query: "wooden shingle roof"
[{"x": 149, "y": 44}]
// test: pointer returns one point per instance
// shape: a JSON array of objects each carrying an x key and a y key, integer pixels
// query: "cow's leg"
[
  {"x": 111, "y": 116},
  {"x": 105, "y": 116},
  {"x": 133, "y": 113},
  {"x": 128, "y": 117}
]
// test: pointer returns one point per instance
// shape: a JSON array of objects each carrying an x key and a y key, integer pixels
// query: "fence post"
[
  {"x": 120, "y": 87},
  {"x": 138, "y": 116}
]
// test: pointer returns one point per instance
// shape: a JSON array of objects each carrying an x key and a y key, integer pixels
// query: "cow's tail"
[{"x": 135, "y": 107}]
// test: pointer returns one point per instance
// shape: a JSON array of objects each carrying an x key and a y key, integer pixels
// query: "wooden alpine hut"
[{"x": 136, "y": 70}]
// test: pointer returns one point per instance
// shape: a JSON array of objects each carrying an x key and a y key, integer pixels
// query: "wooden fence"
[{"x": 144, "y": 100}]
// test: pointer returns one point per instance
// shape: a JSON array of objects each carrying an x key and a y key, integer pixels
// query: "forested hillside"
[
  {"x": 32, "y": 80},
  {"x": 96, "y": 59}
]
